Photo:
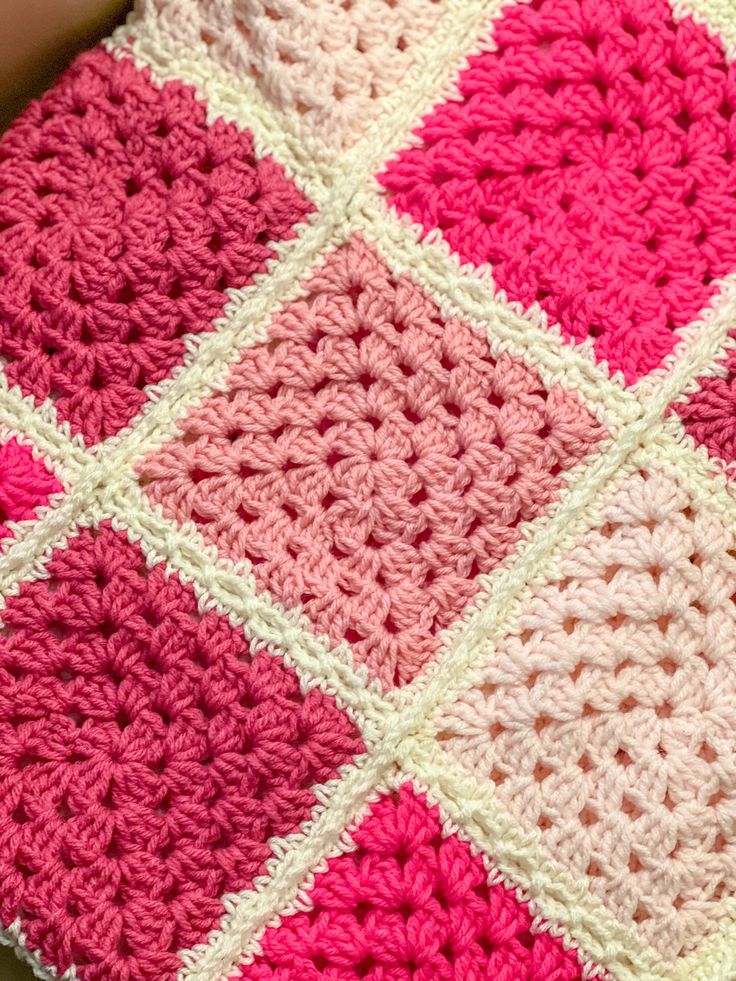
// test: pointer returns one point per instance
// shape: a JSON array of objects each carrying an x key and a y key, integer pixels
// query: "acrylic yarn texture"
[{"x": 367, "y": 502}]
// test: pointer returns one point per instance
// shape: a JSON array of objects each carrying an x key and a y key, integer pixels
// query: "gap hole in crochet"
[
  {"x": 631, "y": 809},
  {"x": 486, "y": 173},
  {"x": 447, "y": 951},
  {"x": 588, "y": 817},
  {"x": 527, "y": 939},
  {"x": 126, "y": 293},
  {"x": 553, "y": 86},
  {"x": 57, "y": 629},
  {"x": 440, "y": 177},
  {"x": 641, "y": 914},
  {"x": 76, "y": 716},
  {"x": 690, "y": 198},
  {"x": 497, "y": 776},
  {"x": 27, "y": 872},
  {"x": 542, "y": 771},
  {"x": 63, "y": 810},
  {"x": 585, "y": 763},
  {"x": 716, "y": 798},
  {"x": 628, "y": 704},
  {"x": 19, "y": 815},
  {"x": 600, "y": 85},
  {"x": 36, "y": 305},
  {"x": 108, "y": 629},
  {"x": 635, "y": 863}
]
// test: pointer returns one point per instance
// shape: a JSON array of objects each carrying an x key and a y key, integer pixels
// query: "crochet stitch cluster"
[{"x": 367, "y": 504}]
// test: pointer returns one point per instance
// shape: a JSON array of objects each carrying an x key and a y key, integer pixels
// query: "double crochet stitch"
[{"x": 367, "y": 502}]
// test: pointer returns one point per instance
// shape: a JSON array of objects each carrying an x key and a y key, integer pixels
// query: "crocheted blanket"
[{"x": 367, "y": 502}]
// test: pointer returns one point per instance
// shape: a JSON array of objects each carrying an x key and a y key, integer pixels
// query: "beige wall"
[{"x": 38, "y": 38}]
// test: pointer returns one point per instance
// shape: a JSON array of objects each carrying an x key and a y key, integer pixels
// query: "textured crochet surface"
[{"x": 368, "y": 496}]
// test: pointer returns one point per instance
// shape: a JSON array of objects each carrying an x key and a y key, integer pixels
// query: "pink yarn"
[
  {"x": 709, "y": 415},
  {"x": 371, "y": 460},
  {"x": 605, "y": 722},
  {"x": 409, "y": 904},
  {"x": 590, "y": 160},
  {"x": 25, "y": 484},
  {"x": 326, "y": 64},
  {"x": 124, "y": 217},
  {"x": 146, "y": 759}
]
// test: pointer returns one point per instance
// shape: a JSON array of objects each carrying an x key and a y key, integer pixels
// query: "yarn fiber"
[{"x": 367, "y": 503}]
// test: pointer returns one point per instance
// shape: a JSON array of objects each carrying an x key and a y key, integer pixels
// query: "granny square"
[
  {"x": 147, "y": 756},
  {"x": 590, "y": 160},
  {"x": 124, "y": 218},
  {"x": 371, "y": 460}
]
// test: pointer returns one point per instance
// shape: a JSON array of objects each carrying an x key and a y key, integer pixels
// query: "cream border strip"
[
  {"x": 229, "y": 588},
  {"x": 520, "y": 863},
  {"x": 14, "y": 938},
  {"x": 208, "y": 364},
  {"x": 470, "y": 636},
  {"x": 289, "y": 875},
  {"x": 467, "y": 292},
  {"x": 702, "y": 342},
  {"x": 693, "y": 469},
  {"x": 717, "y": 16},
  {"x": 229, "y": 97},
  {"x": 392, "y": 782},
  {"x": 37, "y": 426},
  {"x": 553, "y": 892}
]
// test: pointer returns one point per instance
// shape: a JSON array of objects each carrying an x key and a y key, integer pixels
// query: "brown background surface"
[{"x": 38, "y": 38}]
